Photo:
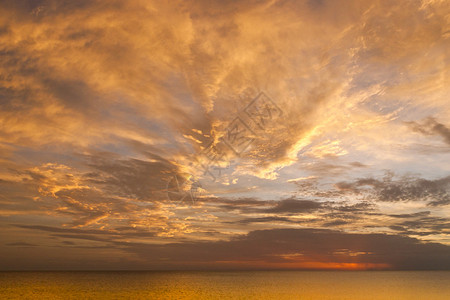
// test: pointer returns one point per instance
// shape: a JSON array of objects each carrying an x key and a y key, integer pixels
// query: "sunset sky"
[{"x": 302, "y": 134}]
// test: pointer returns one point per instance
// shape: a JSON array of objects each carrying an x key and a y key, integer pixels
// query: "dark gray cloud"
[
  {"x": 361, "y": 207},
  {"x": 430, "y": 126},
  {"x": 19, "y": 196},
  {"x": 421, "y": 224},
  {"x": 413, "y": 215},
  {"x": 268, "y": 248},
  {"x": 270, "y": 220},
  {"x": 289, "y": 206},
  {"x": 404, "y": 189},
  {"x": 143, "y": 180},
  {"x": 332, "y": 166},
  {"x": 21, "y": 244},
  {"x": 294, "y": 206},
  {"x": 95, "y": 234},
  {"x": 326, "y": 213},
  {"x": 335, "y": 223},
  {"x": 273, "y": 246},
  {"x": 434, "y": 224},
  {"x": 83, "y": 237}
]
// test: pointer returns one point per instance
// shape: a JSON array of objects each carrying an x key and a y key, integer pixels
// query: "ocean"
[{"x": 226, "y": 285}]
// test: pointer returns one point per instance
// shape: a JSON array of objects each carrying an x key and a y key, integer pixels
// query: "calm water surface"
[{"x": 225, "y": 285}]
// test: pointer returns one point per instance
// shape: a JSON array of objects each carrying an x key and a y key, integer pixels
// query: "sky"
[{"x": 253, "y": 134}]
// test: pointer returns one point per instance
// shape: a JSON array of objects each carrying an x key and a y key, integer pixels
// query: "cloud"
[
  {"x": 102, "y": 104},
  {"x": 272, "y": 248},
  {"x": 83, "y": 233},
  {"x": 141, "y": 179},
  {"x": 278, "y": 207},
  {"x": 103, "y": 191},
  {"x": 294, "y": 206},
  {"x": 263, "y": 249},
  {"x": 21, "y": 244},
  {"x": 270, "y": 220},
  {"x": 424, "y": 225},
  {"x": 332, "y": 166},
  {"x": 431, "y": 127},
  {"x": 404, "y": 189},
  {"x": 414, "y": 215},
  {"x": 335, "y": 223}
]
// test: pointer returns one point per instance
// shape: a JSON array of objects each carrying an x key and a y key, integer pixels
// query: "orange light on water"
[{"x": 312, "y": 265}]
